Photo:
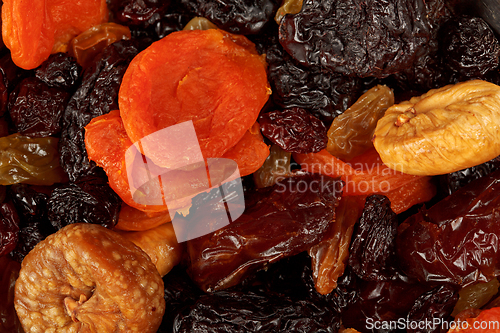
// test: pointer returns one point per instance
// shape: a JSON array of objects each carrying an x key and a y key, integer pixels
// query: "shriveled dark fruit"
[
  {"x": 469, "y": 46},
  {"x": 36, "y": 109},
  {"x": 357, "y": 37},
  {"x": 141, "y": 13},
  {"x": 9, "y": 271},
  {"x": 371, "y": 254},
  {"x": 434, "y": 306},
  {"x": 31, "y": 206},
  {"x": 295, "y": 130},
  {"x": 431, "y": 244},
  {"x": 256, "y": 312},
  {"x": 323, "y": 93},
  {"x": 9, "y": 228},
  {"x": 59, "y": 70},
  {"x": 279, "y": 221},
  {"x": 91, "y": 279},
  {"x": 451, "y": 182},
  {"x": 89, "y": 200},
  {"x": 97, "y": 95},
  {"x": 10, "y": 76},
  {"x": 242, "y": 17}
]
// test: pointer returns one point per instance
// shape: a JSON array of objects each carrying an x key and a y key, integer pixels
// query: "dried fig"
[
  {"x": 86, "y": 278},
  {"x": 442, "y": 131}
]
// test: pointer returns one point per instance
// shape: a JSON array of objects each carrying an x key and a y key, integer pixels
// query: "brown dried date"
[
  {"x": 456, "y": 239},
  {"x": 279, "y": 221}
]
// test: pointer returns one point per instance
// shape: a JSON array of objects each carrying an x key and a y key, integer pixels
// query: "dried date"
[
  {"x": 36, "y": 109},
  {"x": 294, "y": 130},
  {"x": 456, "y": 239},
  {"x": 89, "y": 200},
  {"x": 371, "y": 254},
  {"x": 279, "y": 221},
  {"x": 357, "y": 37},
  {"x": 97, "y": 95}
]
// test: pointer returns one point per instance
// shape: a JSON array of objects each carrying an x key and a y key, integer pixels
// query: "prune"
[
  {"x": 9, "y": 228},
  {"x": 255, "y": 312},
  {"x": 89, "y": 200},
  {"x": 436, "y": 303},
  {"x": 31, "y": 206},
  {"x": 242, "y": 17},
  {"x": 451, "y": 182},
  {"x": 294, "y": 130},
  {"x": 324, "y": 94},
  {"x": 60, "y": 70},
  {"x": 469, "y": 46},
  {"x": 362, "y": 38},
  {"x": 180, "y": 292},
  {"x": 456, "y": 239},
  {"x": 97, "y": 95},
  {"x": 279, "y": 221},
  {"x": 36, "y": 109},
  {"x": 372, "y": 254},
  {"x": 29, "y": 160}
]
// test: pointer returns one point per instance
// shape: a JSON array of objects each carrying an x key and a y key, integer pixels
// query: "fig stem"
[
  {"x": 71, "y": 306},
  {"x": 405, "y": 117}
]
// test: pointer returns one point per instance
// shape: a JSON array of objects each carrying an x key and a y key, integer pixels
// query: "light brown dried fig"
[
  {"x": 160, "y": 244},
  {"x": 442, "y": 131},
  {"x": 86, "y": 278}
]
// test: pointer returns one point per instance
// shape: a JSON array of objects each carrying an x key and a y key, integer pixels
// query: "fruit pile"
[{"x": 365, "y": 135}]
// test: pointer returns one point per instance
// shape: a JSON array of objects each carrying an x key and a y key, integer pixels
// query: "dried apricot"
[
  {"x": 445, "y": 130},
  {"x": 211, "y": 77},
  {"x": 488, "y": 321},
  {"x": 32, "y": 30},
  {"x": 88, "y": 278},
  {"x": 132, "y": 219}
]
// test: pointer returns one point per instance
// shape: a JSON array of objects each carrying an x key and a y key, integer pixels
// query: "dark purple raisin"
[
  {"x": 357, "y": 37},
  {"x": 256, "y": 312},
  {"x": 242, "y": 17},
  {"x": 142, "y": 13},
  {"x": 97, "y": 95},
  {"x": 9, "y": 228},
  {"x": 36, "y": 109},
  {"x": 295, "y": 130},
  {"x": 372, "y": 251},
  {"x": 59, "y": 70},
  {"x": 90, "y": 200},
  {"x": 469, "y": 46},
  {"x": 437, "y": 303},
  {"x": 10, "y": 76}
]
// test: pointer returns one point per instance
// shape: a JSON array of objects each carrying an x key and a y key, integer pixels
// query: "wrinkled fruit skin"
[
  {"x": 59, "y": 70},
  {"x": 455, "y": 240},
  {"x": 445, "y": 130},
  {"x": 278, "y": 222},
  {"x": 92, "y": 280},
  {"x": 9, "y": 228},
  {"x": 356, "y": 37},
  {"x": 294, "y": 130}
]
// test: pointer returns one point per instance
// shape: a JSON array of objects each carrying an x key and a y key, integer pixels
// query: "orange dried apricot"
[
  {"x": 214, "y": 78},
  {"x": 32, "y": 30}
]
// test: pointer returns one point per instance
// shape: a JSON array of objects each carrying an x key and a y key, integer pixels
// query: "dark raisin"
[
  {"x": 357, "y": 37},
  {"x": 138, "y": 12},
  {"x": 294, "y": 130},
  {"x": 371, "y": 254},
  {"x": 456, "y": 239},
  {"x": 279, "y": 221},
  {"x": 469, "y": 46},
  {"x": 97, "y": 95},
  {"x": 237, "y": 16},
  {"x": 453, "y": 181},
  {"x": 59, "y": 70},
  {"x": 256, "y": 312},
  {"x": 90, "y": 200},
  {"x": 9, "y": 228},
  {"x": 36, "y": 109},
  {"x": 437, "y": 303},
  {"x": 10, "y": 76}
]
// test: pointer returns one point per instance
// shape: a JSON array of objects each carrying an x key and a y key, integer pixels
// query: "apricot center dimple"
[
  {"x": 405, "y": 117},
  {"x": 72, "y": 306}
]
